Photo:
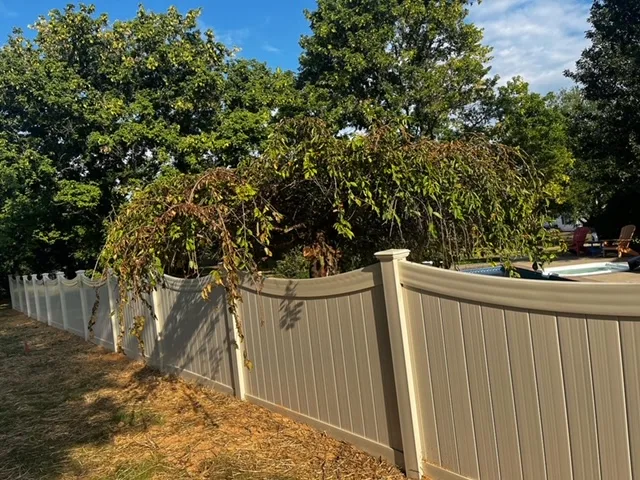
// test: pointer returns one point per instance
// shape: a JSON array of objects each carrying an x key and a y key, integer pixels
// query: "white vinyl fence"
[{"x": 448, "y": 374}]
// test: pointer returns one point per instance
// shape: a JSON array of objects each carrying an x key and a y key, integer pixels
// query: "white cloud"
[
  {"x": 267, "y": 47},
  {"x": 234, "y": 37},
  {"x": 6, "y": 12},
  {"x": 536, "y": 39}
]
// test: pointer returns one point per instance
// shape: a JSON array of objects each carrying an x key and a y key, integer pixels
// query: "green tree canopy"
[
  {"x": 539, "y": 128},
  {"x": 27, "y": 184},
  {"x": 415, "y": 61},
  {"x": 94, "y": 109},
  {"x": 255, "y": 98},
  {"x": 607, "y": 120}
]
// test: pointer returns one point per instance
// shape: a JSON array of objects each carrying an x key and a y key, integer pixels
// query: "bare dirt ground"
[{"x": 69, "y": 409}]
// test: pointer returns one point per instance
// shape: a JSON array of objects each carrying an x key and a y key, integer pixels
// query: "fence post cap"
[{"x": 393, "y": 254}]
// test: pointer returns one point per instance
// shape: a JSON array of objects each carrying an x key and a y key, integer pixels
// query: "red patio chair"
[{"x": 579, "y": 239}]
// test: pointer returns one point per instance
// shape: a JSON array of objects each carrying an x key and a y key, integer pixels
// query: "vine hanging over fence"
[
  {"x": 189, "y": 224},
  {"x": 336, "y": 199}
]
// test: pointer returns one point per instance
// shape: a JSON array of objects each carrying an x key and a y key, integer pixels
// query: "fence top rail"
[
  {"x": 358, "y": 280},
  {"x": 604, "y": 299},
  {"x": 186, "y": 284},
  {"x": 69, "y": 283},
  {"x": 343, "y": 284},
  {"x": 91, "y": 283}
]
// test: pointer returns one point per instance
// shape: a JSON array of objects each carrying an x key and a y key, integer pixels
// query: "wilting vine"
[{"x": 187, "y": 224}]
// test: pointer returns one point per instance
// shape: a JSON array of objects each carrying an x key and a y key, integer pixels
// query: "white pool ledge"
[{"x": 587, "y": 269}]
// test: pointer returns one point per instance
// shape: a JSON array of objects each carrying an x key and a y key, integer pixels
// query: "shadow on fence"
[
  {"x": 290, "y": 308},
  {"x": 195, "y": 335}
]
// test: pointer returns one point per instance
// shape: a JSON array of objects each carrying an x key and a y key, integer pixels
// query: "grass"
[
  {"x": 150, "y": 468},
  {"x": 70, "y": 409},
  {"x": 224, "y": 467},
  {"x": 138, "y": 418}
]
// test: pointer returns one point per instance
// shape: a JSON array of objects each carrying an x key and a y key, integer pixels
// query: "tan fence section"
[
  {"x": 321, "y": 353},
  {"x": 525, "y": 379},
  {"x": 195, "y": 334},
  {"x": 457, "y": 376}
]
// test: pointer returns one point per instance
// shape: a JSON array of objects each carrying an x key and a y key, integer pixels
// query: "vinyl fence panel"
[
  {"x": 12, "y": 291},
  {"x": 30, "y": 304},
  {"x": 40, "y": 300},
  {"x": 133, "y": 311},
  {"x": 55, "y": 303},
  {"x": 195, "y": 333},
  {"x": 73, "y": 305},
  {"x": 520, "y": 381},
  {"x": 321, "y": 353},
  {"x": 499, "y": 379},
  {"x": 17, "y": 299}
]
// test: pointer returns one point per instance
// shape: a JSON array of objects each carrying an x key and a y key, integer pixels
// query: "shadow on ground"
[
  {"x": 61, "y": 396},
  {"x": 49, "y": 398},
  {"x": 70, "y": 409}
]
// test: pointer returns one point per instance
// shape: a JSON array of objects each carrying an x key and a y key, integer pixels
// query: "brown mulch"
[{"x": 70, "y": 409}]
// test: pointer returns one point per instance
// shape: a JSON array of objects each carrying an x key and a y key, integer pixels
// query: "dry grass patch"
[{"x": 69, "y": 409}]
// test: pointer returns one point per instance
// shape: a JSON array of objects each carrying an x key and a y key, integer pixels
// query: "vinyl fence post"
[
  {"x": 63, "y": 300},
  {"x": 390, "y": 263},
  {"x": 237, "y": 359},
  {"x": 25, "y": 281},
  {"x": 34, "y": 282},
  {"x": 83, "y": 303},
  {"x": 158, "y": 319},
  {"x": 19, "y": 294},
  {"x": 12, "y": 292},
  {"x": 47, "y": 298},
  {"x": 113, "y": 314}
]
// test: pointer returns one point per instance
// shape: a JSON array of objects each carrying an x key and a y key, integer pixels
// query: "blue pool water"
[
  {"x": 598, "y": 268},
  {"x": 523, "y": 273}
]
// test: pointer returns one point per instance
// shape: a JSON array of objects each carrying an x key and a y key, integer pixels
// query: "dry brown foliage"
[{"x": 69, "y": 409}]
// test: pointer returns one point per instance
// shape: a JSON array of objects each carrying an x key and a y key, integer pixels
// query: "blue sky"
[{"x": 536, "y": 39}]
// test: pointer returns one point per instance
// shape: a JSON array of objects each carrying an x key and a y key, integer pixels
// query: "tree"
[
  {"x": 334, "y": 194},
  {"x": 581, "y": 133},
  {"x": 326, "y": 196},
  {"x": 27, "y": 185},
  {"x": 608, "y": 74},
  {"x": 415, "y": 61},
  {"x": 537, "y": 126},
  {"x": 94, "y": 109},
  {"x": 255, "y": 98}
]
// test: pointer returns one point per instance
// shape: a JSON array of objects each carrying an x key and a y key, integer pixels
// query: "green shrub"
[{"x": 292, "y": 265}]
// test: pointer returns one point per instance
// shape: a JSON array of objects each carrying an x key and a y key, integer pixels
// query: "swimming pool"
[
  {"x": 520, "y": 273},
  {"x": 563, "y": 273},
  {"x": 598, "y": 268}
]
